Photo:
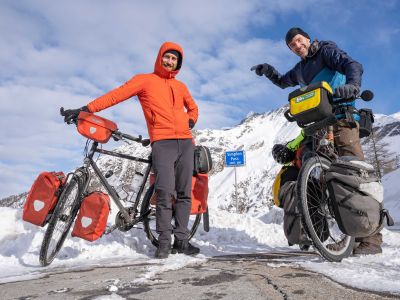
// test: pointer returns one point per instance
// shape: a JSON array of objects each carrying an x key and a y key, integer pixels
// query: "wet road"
[{"x": 251, "y": 276}]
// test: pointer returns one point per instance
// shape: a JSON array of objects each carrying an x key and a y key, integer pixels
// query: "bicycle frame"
[{"x": 110, "y": 189}]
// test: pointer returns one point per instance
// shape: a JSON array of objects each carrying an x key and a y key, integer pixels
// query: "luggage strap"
[
  {"x": 348, "y": 112},
  {"x": 389, "y": 219},
  {"x": 356, "y": 211}
]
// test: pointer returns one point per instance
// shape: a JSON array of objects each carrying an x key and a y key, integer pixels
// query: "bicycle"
[
  {"x": 76, "y": 188},
  {"x": 311, "y": 190}
]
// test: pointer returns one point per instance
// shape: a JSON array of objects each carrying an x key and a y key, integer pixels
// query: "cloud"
[
  {"x": 57, "y": 54},
  {"x": 66, "y": 54}
]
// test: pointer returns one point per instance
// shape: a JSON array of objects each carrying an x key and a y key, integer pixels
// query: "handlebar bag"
[
  {"x": 202, "y": 160},
  {"x": 357, "y": 197},
  {"x": 199, "y": 193},
  {"x": 92, "y": 217},
  {"x": 94, "y": 127},
  {"x": 311, "y": 103},
  {"x": 43, "y": 197}
]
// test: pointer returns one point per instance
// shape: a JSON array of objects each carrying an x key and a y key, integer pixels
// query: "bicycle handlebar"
[
  {"x": 118, "y": 135},
  {"x": 366, "y": 95},
  {"x": 70, "y": 120}
]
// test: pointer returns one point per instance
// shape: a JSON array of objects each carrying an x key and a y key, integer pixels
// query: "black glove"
[
  {"x": 282, "y": 154},
  {"x": 72, "y": 114},
  {"x": 264, "y": 69},
  {"x": 347, "y": 91},
  {"x": 191, "y": 124}
]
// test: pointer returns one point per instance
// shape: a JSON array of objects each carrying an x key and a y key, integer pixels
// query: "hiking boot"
[
  {"x": 184, "y": 247},
  {"x": 337, "y": 246},
  {"x": 163, "y": 251},
  {"x": 367, "y": 249}
]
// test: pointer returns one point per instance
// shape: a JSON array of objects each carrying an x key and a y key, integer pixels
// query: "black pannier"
[
  {"x": 202, "y": 160},
  {"x": 357, "y": 197},
  {"x": 366, "y": 121},
  {"x": 292, "y": 217}
]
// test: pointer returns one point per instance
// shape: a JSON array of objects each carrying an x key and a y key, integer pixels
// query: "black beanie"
[
  {"x": 178, "y": 55},
  {"x": 293, "y": 32},
  {"x": 174, "y": 52}
]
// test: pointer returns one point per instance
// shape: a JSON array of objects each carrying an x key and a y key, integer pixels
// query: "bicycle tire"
[
  {"x": 61, "y": 221},
  {"x": 149, "y": 219},
  {"x": 318, "y": 219}
]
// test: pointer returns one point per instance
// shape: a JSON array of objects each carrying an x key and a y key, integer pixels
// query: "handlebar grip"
[
  {"x": 288, "y": 116},
  {"x": 145, "y": 142}
]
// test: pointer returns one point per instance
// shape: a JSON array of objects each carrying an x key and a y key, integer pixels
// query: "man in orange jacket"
[{"x": 163, "y": 100}]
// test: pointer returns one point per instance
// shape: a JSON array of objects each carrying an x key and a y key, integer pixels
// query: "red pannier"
[
  {"x": 94, "y": 127},
  {"x": 92, "y": 218},
  {"x": 199, "y": 193},
  {"x": 43, "y": 197}
]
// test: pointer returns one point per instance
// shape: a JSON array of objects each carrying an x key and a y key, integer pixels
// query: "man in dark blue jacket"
[{"x": 324, "y": 61}]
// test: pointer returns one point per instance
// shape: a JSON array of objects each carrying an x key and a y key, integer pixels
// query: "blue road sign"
[{"x": 235, "y": 158}]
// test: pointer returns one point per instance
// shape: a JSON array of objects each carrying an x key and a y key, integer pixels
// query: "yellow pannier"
[{"x": 287, "y": 173}]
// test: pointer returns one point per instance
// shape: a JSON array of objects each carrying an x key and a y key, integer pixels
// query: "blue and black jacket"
[{"x": 324, "y": 62}]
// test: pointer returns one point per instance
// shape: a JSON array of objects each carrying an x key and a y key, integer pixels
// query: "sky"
[{"x": 64, "y": 54}]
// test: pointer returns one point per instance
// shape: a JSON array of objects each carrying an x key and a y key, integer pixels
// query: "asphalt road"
[{"x": 253, "y": 276}]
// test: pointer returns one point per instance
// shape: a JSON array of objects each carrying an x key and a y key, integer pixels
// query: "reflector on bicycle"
[
  {"x": 94, "y": 127},
  {"x": 92, "y": 218},
  {"x": 311, "y": 103},
  {"x": 43, "y": 197}
]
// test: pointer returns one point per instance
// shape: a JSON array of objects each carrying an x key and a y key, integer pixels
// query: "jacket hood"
[{"x": 159, "y": 69}]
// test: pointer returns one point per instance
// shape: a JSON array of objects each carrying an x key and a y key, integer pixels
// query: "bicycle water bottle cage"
[
  {"x": 94, "y": 127},
  {"x": 311, "y": 106}
]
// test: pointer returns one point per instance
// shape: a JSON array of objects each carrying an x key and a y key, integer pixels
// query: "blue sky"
[{"x": 66, "y": 53}]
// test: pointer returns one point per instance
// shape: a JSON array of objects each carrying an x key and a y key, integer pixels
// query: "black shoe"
[
  {"x": 184, "y": 247},
  {"x": 163, "y": 251}
]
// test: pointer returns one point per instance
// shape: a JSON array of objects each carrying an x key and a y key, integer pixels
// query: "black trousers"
[{"x": 173, "y": 167}]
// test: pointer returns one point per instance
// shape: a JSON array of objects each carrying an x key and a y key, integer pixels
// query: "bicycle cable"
[{"x": 85, "y": 150}]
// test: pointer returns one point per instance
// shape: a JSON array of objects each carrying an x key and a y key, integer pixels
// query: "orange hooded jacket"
[{"x": 162, "y": 97}]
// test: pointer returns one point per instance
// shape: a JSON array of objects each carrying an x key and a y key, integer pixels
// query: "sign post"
[{"x": 235, "y": 159}]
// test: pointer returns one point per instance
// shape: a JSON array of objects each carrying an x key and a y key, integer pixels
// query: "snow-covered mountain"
[
  {"x": 256, "y": 228},
  {"x": 256, "y": 134}
]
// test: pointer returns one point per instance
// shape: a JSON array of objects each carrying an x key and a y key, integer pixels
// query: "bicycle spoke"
[{"x": 322, "y": 228}]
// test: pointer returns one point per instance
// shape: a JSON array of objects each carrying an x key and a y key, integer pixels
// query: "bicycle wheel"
[
  {"x": 318, "y": 218},
  {"x": 149, "y": 222},
  {"x": 61, "y": 221}
]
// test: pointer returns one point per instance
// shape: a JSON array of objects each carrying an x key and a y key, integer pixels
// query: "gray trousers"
[{"x": 173, "y": 167}]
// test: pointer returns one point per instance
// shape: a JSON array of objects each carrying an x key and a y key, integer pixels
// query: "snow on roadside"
[{"x": 230, "y": 233}]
